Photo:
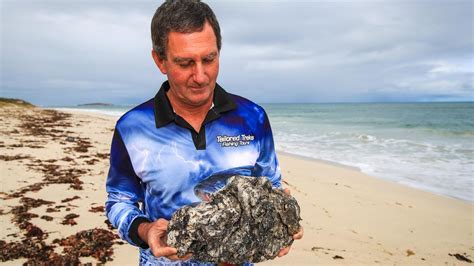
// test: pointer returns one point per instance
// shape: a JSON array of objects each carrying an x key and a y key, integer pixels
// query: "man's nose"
[{"x": 199, "y": 74}]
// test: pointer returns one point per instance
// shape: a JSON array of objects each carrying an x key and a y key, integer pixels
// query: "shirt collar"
[{"x": 164, "y": 114}]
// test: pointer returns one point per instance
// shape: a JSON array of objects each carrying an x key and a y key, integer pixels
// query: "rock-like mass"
[{"x": 246, "y": 221}]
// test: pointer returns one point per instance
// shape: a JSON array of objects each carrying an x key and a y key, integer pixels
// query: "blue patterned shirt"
[{"x": 157, "y": 159}]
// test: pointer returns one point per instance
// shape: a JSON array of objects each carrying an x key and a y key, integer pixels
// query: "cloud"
[{"x": 273, "y": 51}]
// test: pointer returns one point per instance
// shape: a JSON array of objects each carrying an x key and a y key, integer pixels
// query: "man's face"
[{"x": 192, "y": 65}]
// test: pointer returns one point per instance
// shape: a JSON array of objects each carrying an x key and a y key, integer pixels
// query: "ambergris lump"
[{"x": 246, "y": 221}]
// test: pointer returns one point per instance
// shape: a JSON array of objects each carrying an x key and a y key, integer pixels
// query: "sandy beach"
[{"x": 54, "y": 166}]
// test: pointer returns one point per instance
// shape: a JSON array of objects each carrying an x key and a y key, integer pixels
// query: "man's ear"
[{"x": 160, "y": 63}]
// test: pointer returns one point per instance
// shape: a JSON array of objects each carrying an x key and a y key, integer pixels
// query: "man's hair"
[{"x": 183, "y": 16}]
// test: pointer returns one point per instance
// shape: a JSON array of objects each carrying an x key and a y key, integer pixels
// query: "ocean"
[{"x": 429, "y": 146}]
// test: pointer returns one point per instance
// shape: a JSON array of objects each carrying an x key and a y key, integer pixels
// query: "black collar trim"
[{"x": 164, "y": 113}]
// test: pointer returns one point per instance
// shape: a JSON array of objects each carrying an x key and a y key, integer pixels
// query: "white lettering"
[{"x": 235, "y": 141}]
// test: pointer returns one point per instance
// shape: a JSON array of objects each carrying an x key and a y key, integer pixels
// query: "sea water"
[{"x": 425, "y": 145}]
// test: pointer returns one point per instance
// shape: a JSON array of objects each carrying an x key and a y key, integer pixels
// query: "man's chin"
[
  {"x": 198, "y": 103},
  {"x": 199, "y": 100},
  {"x": 200, "y": 97}
]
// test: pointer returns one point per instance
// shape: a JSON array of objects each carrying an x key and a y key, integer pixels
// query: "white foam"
[
  {"x": 436, "y": 167},
  {"x": 367, "y": 138},
  {"x": 114, "y": 113}
]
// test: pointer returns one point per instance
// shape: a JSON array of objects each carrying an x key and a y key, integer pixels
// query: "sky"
[{"x": 62, "y": 53}]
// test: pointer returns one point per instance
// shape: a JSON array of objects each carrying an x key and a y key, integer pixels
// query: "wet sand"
[{"x": 54, "y": 165}]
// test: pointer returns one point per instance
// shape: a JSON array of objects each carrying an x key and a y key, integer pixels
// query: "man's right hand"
[{"x": 154, "y": 234}]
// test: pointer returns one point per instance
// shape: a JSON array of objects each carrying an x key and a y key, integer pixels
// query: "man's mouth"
[{"x": 198, "y": 88}]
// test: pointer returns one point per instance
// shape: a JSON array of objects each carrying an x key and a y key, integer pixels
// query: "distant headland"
[{"x": 12, "y": 101}]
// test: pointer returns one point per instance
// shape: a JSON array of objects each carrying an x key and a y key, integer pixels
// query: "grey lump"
[{"x": 246, "y": 221}]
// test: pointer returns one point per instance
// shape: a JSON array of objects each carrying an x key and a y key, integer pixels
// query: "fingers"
[
  {"x": 156, "y": 236},
  {"x": 164, "y": 251},
  {"x": 284, "y": 251},
  {"x": 299, "y": 235},
  {"x": 183, "y": 258},
  {"x": 173, "y": 257},
  {"x": 287, "y": 191},
  {"x": 296, "y": 236},
  {"x": 186, "y": 257},
  {"x": 162, "y": 223}
]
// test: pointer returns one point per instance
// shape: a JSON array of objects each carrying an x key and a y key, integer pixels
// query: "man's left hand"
[{"x": 296, "y": 236}]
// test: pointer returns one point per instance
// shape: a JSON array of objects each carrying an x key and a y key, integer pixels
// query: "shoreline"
[
  {"x": 412, "y": 185},
  {"x": 92, "y": 112},
  {"x": 303, "y": 157},
  {"x": 355, "y": 168}
]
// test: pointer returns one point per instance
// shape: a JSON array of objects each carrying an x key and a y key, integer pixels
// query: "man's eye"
[
  {"x": 208, "y": 60},
  {"x": 184, "y": 65}
]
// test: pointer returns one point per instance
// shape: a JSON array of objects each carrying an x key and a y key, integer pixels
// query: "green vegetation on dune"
[{"x": 4, "y": 102}]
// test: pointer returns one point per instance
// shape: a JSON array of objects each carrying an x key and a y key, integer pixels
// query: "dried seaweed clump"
[{"x": 246, "y": 221}]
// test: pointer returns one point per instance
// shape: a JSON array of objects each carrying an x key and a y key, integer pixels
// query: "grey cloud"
[{"x": 273, "y": 51}]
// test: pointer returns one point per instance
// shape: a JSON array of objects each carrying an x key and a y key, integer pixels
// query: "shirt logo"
[{"x": 235, "y": 141}]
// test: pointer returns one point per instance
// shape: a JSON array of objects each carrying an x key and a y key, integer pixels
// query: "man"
[{"x": 191, "y": 130}]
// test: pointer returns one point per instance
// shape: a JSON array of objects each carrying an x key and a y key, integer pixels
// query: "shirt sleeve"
[
  {"x": 267, "y": 162},
  {"x": 124, "y": 190}
]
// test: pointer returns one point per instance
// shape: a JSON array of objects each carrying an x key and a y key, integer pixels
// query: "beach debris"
[
  {"x": 47, "y": 218},
  {"x": 245, "y": 221},
  {"x": 82, "y": 145},
  {"x": 16, "y": 146},
  {"x": 410, "y": 252},
  {"x": 69, "y": 219},
  {"x": 34, "y": 203},
  {"x": 34, "y": 231},
  {"x": 57, "y": 130},
  {"x": 52, "y": 210},
  {"x": 67, "y": 159},
  {"x": 97, "y": 209},
  {"x": 70, "y": 139},
  {"x": 92, "y": 161},
  {"x": 109, "y": 224},
  {"x": 14, "y": 157},
  {"x": 103, "y": 155},
  {"x": 70, "y": 199},
  {"x": 34, "y": 250},
  {"x": 40, "y": 125},
  {"x": 53, "y": 174},
  {"x": 21, "y": 216},
  {"x": 35, "y": 146},
  {"x": 39, "y": 128},
  {"x": 461, "y": 257},
  {"x": 337, "y": 257},
  {"x": 96, "y": 243},
  {"x": 23, "y": 190}
]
